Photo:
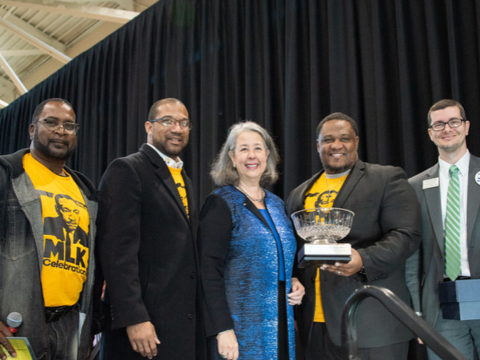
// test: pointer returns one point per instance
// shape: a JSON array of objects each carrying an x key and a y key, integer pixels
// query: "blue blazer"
[{"x": 239, "y": 263}]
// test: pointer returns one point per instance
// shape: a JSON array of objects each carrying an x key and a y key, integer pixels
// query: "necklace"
[
  {"x": 248, "y": 196},
  {"x": 328, "y": 188}
]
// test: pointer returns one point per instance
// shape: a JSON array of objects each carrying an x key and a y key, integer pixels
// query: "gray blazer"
[
  {"x": 425, "y": 268},
  {"x": 386, "y": 232}
]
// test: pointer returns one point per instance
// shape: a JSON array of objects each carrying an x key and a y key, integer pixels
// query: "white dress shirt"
[{"x": 170, "y": 162}]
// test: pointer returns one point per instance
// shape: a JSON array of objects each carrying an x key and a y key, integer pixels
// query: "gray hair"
[{"x": 223, "y": 173}]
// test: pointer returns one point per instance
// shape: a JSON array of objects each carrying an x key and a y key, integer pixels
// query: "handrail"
[{"x": 402, "y": 312}]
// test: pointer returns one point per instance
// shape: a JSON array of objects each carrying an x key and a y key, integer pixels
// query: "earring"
[{"x": 234, "y": 166}]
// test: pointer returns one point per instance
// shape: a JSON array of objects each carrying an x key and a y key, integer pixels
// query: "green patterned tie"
[{"x": 452, "y": 226}]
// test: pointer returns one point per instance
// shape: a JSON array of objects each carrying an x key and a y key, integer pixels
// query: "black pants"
[
  {"x": 282, "y": 323},
  {"x": 322, "y": 347},
  {"x": 63, "y": 337}
]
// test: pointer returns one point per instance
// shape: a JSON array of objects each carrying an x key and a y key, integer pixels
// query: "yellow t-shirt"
[
  {"x": 322, "y": 194},
  {"x": 65, "y": 234},
  {"x": 178, "y": 178}
]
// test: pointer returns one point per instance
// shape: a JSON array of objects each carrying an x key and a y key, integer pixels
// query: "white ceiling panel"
[{"x": 37, "y": 37}]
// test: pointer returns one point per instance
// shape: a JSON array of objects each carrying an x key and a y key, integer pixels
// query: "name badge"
[
  {"x": 431, "y": 183},
  {"x": 477, "y": 178}
]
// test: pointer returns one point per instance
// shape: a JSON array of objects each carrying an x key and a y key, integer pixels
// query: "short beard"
[
  {"x": 452, "y": 148},
  {"x": 172, "y": 153},
  {"x": 46, "y": 151},
  {"x": 337, "y": 170}
]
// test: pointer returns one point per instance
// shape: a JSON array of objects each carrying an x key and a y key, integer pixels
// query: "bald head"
[{"x": 152, "y": 114}]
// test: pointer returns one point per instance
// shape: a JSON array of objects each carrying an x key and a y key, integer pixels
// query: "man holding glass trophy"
[{"x": 384, "y": 233}]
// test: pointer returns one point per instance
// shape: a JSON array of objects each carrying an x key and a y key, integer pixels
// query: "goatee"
[{"x": 47, "y": 151}]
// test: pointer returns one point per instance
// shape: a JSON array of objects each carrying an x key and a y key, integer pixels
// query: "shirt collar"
[
  {"x": 336, "y": 176},
  {"x": 169, "y": 161},
  {"x": 462, "y": 165}
]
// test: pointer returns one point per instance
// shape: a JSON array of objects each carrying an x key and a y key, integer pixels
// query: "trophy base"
[{"x": 318, "y": 254}]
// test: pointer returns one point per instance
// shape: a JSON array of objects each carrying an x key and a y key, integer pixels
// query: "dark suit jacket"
[
  {"x": 424, "y": 275},
  {"x": 385, "y": 231},
  {"x": 148, "y": 255}
]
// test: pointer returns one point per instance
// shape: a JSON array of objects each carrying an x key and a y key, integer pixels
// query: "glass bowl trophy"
[{"x": 321, "y": 228}]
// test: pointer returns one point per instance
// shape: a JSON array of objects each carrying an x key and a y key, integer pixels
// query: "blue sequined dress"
[{"x": 240, "y": 271}]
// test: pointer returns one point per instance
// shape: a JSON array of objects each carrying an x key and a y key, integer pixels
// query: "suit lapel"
[
  {"x": 434, "y": 206},
  {"x": 165, "y": 176},
  {"x": 298, "y": 198},
  {"x": 473, "y": 195},
  {"x": 351, "y": 182},
  {"x": 192, "y": 204},
  {"x": 250, "y": 206}
]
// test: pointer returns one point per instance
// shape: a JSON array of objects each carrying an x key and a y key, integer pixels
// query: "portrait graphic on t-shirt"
[
  {"x": 325, "y": 199},
  {"x": 324, "y": 192},
  {"x": 65, "y": 240}
]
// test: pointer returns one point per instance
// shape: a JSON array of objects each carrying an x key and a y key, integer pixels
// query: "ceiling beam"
[
  {"x": 26, "y": 52},
  {"x": 83, "y": 11},
  {"x": 11, "y": 74},
  {"x": 6, "y": 85},
  {"x": 3, "y": 104},
  {"x": 35, "y": 42},
  {"x": 32, "y": 30},
  {"x": 124, "y": 4}
]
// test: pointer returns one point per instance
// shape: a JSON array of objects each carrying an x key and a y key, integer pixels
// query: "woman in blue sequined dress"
[{"x": 247, "y": 247}]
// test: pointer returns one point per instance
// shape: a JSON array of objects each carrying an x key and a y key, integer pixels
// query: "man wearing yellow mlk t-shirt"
[
  {"x": 47, "y": 226},
  {"x": 385, "y": 232}
]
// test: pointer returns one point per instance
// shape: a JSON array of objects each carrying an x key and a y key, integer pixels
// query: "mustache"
[{"x": 58, "y": 141}]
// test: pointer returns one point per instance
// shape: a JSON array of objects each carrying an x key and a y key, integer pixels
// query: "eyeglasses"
[
  {"x": 169, "y": 121},
  {"x": 440, "y": 125},
  {"x": 53, "y": 125}
]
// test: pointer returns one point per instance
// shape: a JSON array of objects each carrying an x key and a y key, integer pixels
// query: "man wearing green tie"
[{"x": 449, "y": 194}]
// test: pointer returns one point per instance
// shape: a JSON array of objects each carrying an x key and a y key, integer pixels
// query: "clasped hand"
[{"x": 296, "y": 295}]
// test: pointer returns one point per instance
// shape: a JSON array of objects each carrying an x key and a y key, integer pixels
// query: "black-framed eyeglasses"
[
  {"x": 440, "y": 125},
  {"x": 169, "y": 121},
  {"x": 53, "y": 125}
]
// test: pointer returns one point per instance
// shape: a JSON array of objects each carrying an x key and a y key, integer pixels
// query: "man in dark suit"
[
  {"x": 385, "y": 232},
  {"x": 147, "y": 246},
  {"x": 448, "y": 128}
]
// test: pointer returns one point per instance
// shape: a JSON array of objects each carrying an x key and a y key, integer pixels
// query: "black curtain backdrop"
[{"x": 282, "y": 63}]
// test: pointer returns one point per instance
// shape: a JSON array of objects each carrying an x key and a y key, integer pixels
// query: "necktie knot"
[{"x": 454, "y": 170}]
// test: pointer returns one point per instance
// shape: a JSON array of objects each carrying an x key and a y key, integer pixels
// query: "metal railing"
[{"x": 402, "y": 312}]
